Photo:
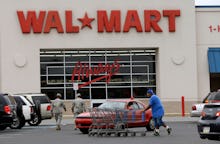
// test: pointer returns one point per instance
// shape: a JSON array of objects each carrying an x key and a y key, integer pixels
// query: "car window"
[
  {"x": 41, "y": 99},
  {"x": 28, "y": 100},
  {"x": 135, "y": 106},
  {"x": 19, "y": 101},
  {"x": 10, "y": 100},
  {"x": 112, "y": 105},
  {"x": 207, "y": 97},
  {"x": 140, "y": 105},
  {"x": 2, "y": 100},
  {"x": 216, "y": 96},
  {"x": 212, "y": 108}
]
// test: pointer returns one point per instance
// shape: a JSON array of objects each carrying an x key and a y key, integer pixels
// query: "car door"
[
  {"x": 135, "y": 115},
  {"x": 26, "y": 106},
  {"x": 138, "y": 114}
]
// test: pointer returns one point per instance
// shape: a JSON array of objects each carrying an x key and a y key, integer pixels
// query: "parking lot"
[{"x": 184, "y": 132}]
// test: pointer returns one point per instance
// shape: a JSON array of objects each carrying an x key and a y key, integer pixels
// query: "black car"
[
  {"x": 7, "y": 111},
  {"x": 209, "y": 122}
]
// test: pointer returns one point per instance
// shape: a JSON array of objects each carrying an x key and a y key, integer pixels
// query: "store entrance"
[{"x": 214, "y": 81}]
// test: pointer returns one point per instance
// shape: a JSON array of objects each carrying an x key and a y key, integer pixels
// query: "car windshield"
[
  {"x": 112, "y": 105},
  {"x": 215, "y": 96}
]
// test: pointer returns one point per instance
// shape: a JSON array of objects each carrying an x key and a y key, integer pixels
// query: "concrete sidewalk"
[{"x": 69, "y": 120}]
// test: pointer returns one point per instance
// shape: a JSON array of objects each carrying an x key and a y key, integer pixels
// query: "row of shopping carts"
[{"x": 108, "y": 122}]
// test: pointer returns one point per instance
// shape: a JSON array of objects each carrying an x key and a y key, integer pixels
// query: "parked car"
[
  {"x": 209, "y": 122},
  {"x": 25, "y": 111},
  {"x": 212, "y": 97},
  {"x": 84, "y": 120},
  {"x": 8, "y": 115},
  {"x": 42, "y": 107}
]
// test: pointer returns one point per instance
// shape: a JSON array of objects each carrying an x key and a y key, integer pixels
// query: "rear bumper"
[
  {"x": 6, "y": 120},
  {"x": 83, "y": 122},
  {"x": 195, "y": 113},
  {"x": 209, "y": 127}
]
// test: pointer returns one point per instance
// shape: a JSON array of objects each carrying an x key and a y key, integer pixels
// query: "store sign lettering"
[
  {"x": 213, "y": 28},
  {"x": 45, "y": 21},
  {"x": 82, "y": 71}
]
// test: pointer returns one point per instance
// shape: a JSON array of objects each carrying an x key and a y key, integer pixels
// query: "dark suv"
[{"x": 7, "y": 111}]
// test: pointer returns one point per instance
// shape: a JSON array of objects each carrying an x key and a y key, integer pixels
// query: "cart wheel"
[
  {"x": 133, "y": 134},
  {"x": 125, "y": 134},
  {"x": 117, "y": 134},
  {"x": 108, "y": 134}
]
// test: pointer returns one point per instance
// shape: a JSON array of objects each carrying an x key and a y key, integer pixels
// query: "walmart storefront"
[{"x": 109, "y": 50}]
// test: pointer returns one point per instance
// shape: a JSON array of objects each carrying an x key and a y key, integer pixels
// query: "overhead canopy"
[{"x": 214, "y": 60}]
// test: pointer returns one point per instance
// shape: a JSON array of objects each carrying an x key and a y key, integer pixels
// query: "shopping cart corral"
[{"x": 108, "y": 122}]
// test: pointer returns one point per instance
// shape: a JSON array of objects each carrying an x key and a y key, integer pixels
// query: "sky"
[{"x": 207, "y": 2}]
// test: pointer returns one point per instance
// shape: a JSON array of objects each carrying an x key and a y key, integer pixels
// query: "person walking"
[
  {"x": 157, "y": 112},
  {"x": 78, "y": 106},
  {"x": 57, "y": 108}
]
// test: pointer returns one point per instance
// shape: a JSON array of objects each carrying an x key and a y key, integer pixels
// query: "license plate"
[{"x": 206, "y": 129}]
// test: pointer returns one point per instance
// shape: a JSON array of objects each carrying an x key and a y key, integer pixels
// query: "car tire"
[
  {"x": 150, "y": 126},
  {"x": 16, "y": 123},
  {"x": 35, "y": 122},
  {"x": 2, "y": 127},
  {"x": 84, "y": 130},
  {"x": 202, "y": 136},
  {"x": 22, "y": 124}
]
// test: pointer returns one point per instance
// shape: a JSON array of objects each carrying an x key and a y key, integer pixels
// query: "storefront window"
[{"x": 100, "y": 74}]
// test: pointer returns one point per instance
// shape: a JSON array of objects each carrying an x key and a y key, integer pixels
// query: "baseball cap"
[
  {"x": 58, "y": 95},
  {"x": 78, "y": 95},
  {"x": 150, "y": 91}
]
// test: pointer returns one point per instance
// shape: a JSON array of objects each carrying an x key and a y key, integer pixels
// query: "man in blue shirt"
[{"x": 157, "y": 112}]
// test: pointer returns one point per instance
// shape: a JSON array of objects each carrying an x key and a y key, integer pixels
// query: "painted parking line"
[
  {"x": 39, "y": 127},
  {"x": 8, "y": 136}
]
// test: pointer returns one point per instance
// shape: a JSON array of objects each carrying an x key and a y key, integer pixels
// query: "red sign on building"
[{"x": 45, "y": 21}]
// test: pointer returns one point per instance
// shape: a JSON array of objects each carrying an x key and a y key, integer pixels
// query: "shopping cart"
[{"x": 108, "y": 122}]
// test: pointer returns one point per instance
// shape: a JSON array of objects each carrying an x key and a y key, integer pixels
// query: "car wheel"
[
  {"x": 84, "y": 130},
  {"x": 16, "y": 123},
  {"x": 202, "y": 136},
  {"x": 150, "y": 126},
  {"x": 22, "y": 124},
  {"x": 3, "y": 127},
  {"x": 35, "y": 121}
]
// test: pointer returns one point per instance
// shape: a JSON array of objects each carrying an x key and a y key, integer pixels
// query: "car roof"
[
  {"x": 31, "y": 94},
  {"x": 125, "y": 100},
  {"x": 120, "y": 100},
  {"x": 23, "y": 99}
]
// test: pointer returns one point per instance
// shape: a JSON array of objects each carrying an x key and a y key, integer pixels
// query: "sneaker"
[
  {"x": 169, "y": 130},
  {"x": 156, "y": 132}
]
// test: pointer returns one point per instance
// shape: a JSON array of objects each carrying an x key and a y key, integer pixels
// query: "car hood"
[{"x": 84, "y": 115}]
